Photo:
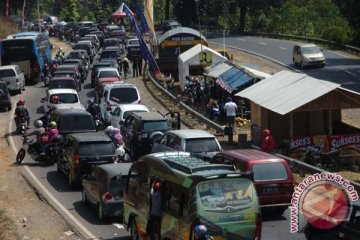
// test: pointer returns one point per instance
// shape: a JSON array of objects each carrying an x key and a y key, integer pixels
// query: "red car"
[{"x": 273, "y": 178}]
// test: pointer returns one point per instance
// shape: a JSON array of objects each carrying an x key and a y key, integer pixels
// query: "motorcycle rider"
[
  {"x": 46, "y": 74},
  {"x": 117, "y": 138},
  {"x": 60, "y": 54},
  {"x": 93, "y": 108},
  {"x": 200, "y": 233},
  {"x": 121, "y": 155},
  {"x": 52, "y": 131},
  {"x": 21, "y": 111},
  {"x": 39, "y": 132}
]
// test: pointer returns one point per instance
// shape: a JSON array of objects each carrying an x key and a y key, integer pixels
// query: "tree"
[{"x": 70, "y": 11}]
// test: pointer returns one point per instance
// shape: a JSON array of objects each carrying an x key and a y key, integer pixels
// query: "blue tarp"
[{"x": 235, "y": 79}]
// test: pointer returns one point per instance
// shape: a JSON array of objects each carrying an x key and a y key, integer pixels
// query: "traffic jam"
[{"x": 157, "y": 175}]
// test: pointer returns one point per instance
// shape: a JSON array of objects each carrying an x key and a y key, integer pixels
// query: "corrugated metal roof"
[{"x": 287, "y": 91}]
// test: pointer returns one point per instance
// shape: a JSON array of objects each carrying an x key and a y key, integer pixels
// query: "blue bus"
[{"x": 29, "y": 50}]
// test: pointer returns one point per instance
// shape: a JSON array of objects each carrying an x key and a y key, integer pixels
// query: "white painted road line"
[
  {"x": 241, "y": 39},
  {"x": 263, "y": 43},
  {"x": 283, "y": 48},
  {"x": 351, "y": 73}
]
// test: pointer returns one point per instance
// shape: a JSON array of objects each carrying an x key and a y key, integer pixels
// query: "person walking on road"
[
  {"x": 125, "y": 67},
  {"x": 135, "y": 67},
  {"x": 230, "y": 108}
]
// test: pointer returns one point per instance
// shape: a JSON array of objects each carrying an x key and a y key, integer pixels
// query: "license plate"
[{"x": 270, "y": 189}]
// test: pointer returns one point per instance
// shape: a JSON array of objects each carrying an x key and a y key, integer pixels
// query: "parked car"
[
  {"x": 117, "y": 93},
  {"x": 194, "y": 191},
  {"x": 198, "y": 142},
  {"x": 307, "y": 55},
  {"x": 141, "y": 129},
  {"x": 349, "y": 229},
  {"x": 63, "y": 82},
  {"x": 5, "y": 99},
  {"x": 273, "y": 178},
  {"x": 82, "y": 152},
  {"x": 122, "y": 111},
  {"x": 70, "y": 120},
  {"x": 13, "y": 77},
  {"x": 103, "y": 189},
  {"x": 68, "y": 98}
]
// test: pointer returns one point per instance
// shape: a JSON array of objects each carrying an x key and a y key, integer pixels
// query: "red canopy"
[{"x": 119, "y": 13}]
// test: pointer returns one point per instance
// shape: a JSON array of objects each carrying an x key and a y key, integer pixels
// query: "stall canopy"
[
  {"x": 119, "y": 13},
  {"x": 192, "y": 57},
  {"x": 233, "y": 77},
  {"x": 286, "y": 91}
]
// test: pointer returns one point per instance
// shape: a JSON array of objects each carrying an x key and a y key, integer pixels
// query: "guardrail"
[{"x": 176, "y": 99}]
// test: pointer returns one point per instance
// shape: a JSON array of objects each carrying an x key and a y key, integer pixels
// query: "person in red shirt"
[{"x": 269, "y": 142}]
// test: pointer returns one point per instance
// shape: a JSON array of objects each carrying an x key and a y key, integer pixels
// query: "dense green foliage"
[{"x": 336, "y": 20}]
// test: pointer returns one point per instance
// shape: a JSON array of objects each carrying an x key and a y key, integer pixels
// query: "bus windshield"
[{"x": 229, "y": 194}]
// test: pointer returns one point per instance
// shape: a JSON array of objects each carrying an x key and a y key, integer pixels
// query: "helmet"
[
  {"x": 90, "y": 101},
  {"x": 157, "y": 186},
  {"x": 120, "y": 151},
  {"x": 21, "y": 102},
  {"x": 200, "y": 231},
  {"x": 58, "y": 138},
  {"x": 38, "y": 123},
  {"x": 60, "y": 49},
  {"x": 55, "y": 99},
  {"x": 52, "y": 124},
  {"x": 109, "y": 130}
]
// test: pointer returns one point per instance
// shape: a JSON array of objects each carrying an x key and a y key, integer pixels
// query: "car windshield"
[
  {"x": 269, "y": 171},
  {"x": 310, "y": 50},
  {"x": 96, "y": 148},
  {"x": 61, "y": 84},
  {"x": 77, "y": 123},
  {"x": 124, "y": 95},
  {"x": 116, "y": 187},
  {"x": 105, "y": 74},
  {"x": 109, "y": 54},
  {"x": 7, "y": 73},
  {"x": 67, "y": 97},
  {"x": 155, "y": 126},
  {"x": 201, "y": 145},
  {"x": 64, "y": 74},
  {"x": 224, "y": 194}
]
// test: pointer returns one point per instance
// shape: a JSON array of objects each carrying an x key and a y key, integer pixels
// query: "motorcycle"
[
  {"x": 46, "y": 78},
  {"x": 315, "y": 157},
  {"x": 22, "y": 126},
  {"x": 45, "y": 152},
  {"x": 193, "y": 90}
]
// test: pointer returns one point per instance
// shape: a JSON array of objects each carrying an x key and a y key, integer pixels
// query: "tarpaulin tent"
[
  {"x": 119, "y": 13},
  {"x": 192, "y": 57}
]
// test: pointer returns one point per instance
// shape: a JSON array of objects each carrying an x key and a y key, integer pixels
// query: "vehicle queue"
[{"x": 193, "y": 191}]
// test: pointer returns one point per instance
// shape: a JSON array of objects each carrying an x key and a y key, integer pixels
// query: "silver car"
[
  {"x": 198, "y": 142},
  {"x": 13, "y": 77},
  {"x": 308, "y": 55}
]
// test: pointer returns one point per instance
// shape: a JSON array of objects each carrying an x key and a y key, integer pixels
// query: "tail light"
[
  {"x": 257, "y": 233},
  {"x": 76, "y": 161},
  {"x": 107, "y": 197}
]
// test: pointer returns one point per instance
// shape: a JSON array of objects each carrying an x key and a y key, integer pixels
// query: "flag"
[
  {"x": 144, "y": 24},
  {"x": 143, "y": 46},
  {"x": 149, "y": 14}
]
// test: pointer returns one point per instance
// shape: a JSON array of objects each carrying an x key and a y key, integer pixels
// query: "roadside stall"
[{"x": 301, "y": 112}]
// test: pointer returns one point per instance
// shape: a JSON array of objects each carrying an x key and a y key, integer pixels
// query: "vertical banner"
[
  {"x": 149, "y": 14},
  {"x": 143, "y": 46},
  {"x": 7, "y": 8},
  {"x": 144, "y": 25}
]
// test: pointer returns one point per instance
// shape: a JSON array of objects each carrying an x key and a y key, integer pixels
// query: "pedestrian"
[
  {"x": 125, "y": 67},
  {"x": 139, "y": 62},
  {"x": 230, "y": 108},
  {"x": 269, "y": 142},
  {"x": 154, "y": 225},
  {"x": 135, "y": 68}
]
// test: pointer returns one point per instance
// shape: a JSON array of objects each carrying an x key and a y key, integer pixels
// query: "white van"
[
  {"x": 307, "y": 55},
  {"x": 115, "y": 94},
  {"x": 14, "y": 77}
]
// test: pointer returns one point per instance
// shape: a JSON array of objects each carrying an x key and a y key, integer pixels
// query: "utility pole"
[
  {"x": 38, "y": 9},
  {"x": 23, "y": 15}
]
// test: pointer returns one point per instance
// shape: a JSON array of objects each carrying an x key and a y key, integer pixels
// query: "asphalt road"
[{"x": 339, "y": 69}]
